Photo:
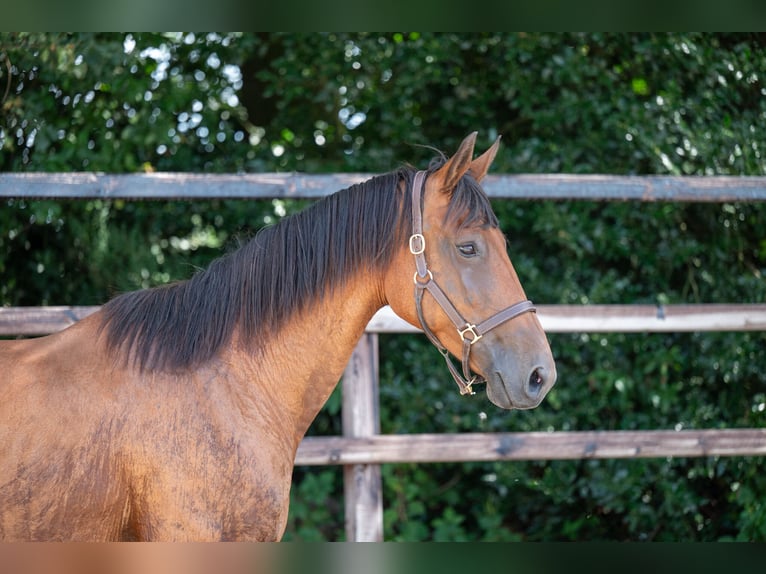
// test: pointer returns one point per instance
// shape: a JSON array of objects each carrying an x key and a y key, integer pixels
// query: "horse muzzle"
[{"x": 514, "y": 383}]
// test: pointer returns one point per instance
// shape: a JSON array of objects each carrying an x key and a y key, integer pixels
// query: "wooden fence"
[{"x": 362, "y": 449}]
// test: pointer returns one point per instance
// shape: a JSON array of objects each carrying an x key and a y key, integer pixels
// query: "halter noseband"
[{"x": 424, "y": 280}]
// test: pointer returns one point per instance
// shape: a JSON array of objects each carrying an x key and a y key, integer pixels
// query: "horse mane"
[{"x": 260, "y": 285}]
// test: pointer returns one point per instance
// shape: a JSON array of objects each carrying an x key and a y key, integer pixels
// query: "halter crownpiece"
[{"x": 424, "y": 281}]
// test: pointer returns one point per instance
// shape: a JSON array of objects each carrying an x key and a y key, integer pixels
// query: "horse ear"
[
  {"x": 480, "y": 166},
  {"x": 450, "y": 173}
]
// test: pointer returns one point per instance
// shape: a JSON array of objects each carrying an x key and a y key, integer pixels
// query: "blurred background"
[{"x": 626, "y": 104}]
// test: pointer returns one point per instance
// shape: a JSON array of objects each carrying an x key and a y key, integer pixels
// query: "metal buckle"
[
  {"x": 465, "y": 388},
  {"x": 417, "y": 237},
  {"x": 469, "y": 328},
  {"x": 427, "y": 279}
]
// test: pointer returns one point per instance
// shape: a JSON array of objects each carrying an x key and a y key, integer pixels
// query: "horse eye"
[{"x": 467, "y": 249}]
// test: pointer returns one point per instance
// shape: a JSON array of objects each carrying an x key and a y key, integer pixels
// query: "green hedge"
[{"x": 577, "y": 103}]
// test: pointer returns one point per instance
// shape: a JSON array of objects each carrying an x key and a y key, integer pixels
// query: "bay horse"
[{"x": 174, "y": 413}]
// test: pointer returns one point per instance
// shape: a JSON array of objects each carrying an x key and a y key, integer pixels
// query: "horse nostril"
[{"x": 535, "y": 381}]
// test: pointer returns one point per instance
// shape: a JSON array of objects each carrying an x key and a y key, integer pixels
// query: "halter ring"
[{"x": 423, "y": 281}]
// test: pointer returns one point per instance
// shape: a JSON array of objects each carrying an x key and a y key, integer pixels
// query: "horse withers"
[{"x": 174, "y": 413}]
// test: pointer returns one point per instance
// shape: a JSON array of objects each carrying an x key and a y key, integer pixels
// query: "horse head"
[{"x": 468, "y": 298}]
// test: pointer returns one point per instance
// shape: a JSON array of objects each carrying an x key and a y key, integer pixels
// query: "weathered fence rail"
[
  {"x": 85, "y": 185},
  {"x": 560, "y": 445},
  {"x": 554, "y": 319},
  {"x": 362, "y": 449}
]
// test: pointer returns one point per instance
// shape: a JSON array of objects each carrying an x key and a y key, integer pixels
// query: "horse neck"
[{"x": 306, "y": 357}]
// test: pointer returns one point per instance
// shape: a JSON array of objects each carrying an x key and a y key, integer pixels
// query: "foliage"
[{"x": 689, "y": 104}]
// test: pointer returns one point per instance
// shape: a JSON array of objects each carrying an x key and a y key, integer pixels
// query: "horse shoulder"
[{"x": 204, "y": 465}]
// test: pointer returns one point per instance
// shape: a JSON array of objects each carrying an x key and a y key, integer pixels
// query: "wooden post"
[{"x": 361, "y": 418}]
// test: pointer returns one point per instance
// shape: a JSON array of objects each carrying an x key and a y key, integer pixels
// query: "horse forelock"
[{"x": 469, "y": 205}]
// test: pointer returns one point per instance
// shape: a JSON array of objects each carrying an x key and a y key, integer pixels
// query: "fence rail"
[
  {"x": 553, "y": 318},
  {"x": 86, "y": 185},
  {"x": 362, "y": 449},
  {"x": 559, "y": 445}
]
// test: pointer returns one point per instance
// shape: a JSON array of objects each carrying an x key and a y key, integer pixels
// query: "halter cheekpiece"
[{"x": 469, "y": 333}]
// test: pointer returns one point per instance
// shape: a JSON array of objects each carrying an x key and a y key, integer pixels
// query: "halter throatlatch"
[{"x": 424, "y": 281}]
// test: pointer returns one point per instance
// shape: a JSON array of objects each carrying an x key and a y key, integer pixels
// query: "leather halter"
[{"x": 424, "y": 281}]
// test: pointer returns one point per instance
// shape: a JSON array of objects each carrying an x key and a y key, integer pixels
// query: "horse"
[{"x": 174, "y": 413}]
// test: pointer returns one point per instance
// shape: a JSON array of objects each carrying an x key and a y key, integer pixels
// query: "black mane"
[{"x": 277, "y": 273}]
